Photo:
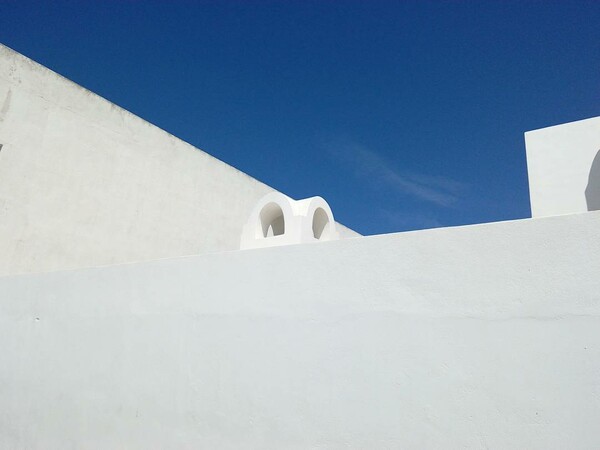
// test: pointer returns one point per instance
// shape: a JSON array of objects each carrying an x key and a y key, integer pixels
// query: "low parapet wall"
[{"x": 474, "y": 337}]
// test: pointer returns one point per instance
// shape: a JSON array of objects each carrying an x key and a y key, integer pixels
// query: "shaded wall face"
[
  {"x": 563, "y": 168},
  {"x": 86, "y": 183},
  {"x": 472, "y": 337},
  {"x": 592, "y": 191}
]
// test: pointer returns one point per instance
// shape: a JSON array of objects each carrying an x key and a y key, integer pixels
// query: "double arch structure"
[{"x": 279, "y": 220}]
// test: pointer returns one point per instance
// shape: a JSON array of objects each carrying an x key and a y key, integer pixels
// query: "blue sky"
[{"x": 402, "y": 115}]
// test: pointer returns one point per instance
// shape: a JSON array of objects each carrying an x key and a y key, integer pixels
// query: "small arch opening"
[
  {"x": 272, "y": 221},
  {"x": 320, "y": 224}
]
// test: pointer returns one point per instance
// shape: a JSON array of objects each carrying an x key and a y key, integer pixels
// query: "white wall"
[
  {"x": 485, "y": 336},
  {"x": 86, "y": 183},
  {"x": 563, "y": 164}
]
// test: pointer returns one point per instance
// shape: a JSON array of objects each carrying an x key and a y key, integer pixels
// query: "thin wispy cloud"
[{"x": 368, "y": 165}]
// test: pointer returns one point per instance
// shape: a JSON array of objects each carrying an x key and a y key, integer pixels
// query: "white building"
[{"x": 484, "y": 336}]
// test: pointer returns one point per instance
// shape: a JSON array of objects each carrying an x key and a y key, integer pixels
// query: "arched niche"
[
  {"x": 272, "y": 220},
  {"x": 321, "y": 224}
]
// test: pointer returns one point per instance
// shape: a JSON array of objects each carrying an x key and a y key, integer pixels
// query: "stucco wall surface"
[
  {"x": 485, "y": 336},
  {"x": 86, "y": 183},
  {"x": 563, "y": 165}
]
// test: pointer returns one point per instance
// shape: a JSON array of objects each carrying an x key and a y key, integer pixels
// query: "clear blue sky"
[{"x": 403, "y": 115}]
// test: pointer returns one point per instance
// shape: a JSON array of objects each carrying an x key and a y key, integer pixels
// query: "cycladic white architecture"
[
  {"x": 564, "y": 168},
  {"x": 474, "y": 337},
  {"x": 279, "y": 220},
  {"x": 85, "y": 183}
]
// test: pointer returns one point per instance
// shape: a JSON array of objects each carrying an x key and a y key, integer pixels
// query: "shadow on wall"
[{"x": 592, "y": 192}]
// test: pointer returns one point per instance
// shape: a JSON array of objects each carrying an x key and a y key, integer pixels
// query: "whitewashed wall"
[
  {"x": 563, "y": 164},
  {"x": 85, "y": 183},
  {"x": 476, "y": 337}
]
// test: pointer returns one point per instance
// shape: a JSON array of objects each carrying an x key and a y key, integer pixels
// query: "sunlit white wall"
[
  {"x": 86, "y": 183},
  {"x": 485, "y": 336},
  {"x": 563, "y": 164}
]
